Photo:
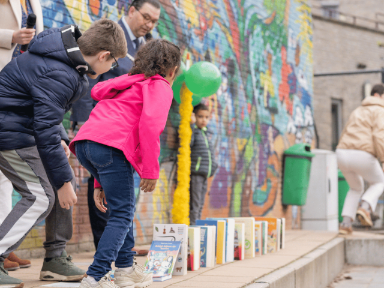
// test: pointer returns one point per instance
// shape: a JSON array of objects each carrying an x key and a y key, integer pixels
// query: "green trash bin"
[
  {"x": 343, "y": 191},
  {"x": 296, "y": 171}
]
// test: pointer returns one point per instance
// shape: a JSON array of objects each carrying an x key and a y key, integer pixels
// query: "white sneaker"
[
  {"x": 106, "y": 282},
  {"x": 137, "y": 278}
]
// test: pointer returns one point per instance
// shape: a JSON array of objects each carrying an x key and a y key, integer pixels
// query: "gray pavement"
[{"x": 360, "y": 277}]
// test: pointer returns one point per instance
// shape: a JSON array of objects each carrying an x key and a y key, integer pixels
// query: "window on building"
[
  {"x": 336, "y": 121},
  {"x": 330, "y": 9}
]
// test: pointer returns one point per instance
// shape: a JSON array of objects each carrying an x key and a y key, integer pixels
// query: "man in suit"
[{"x": 142, "y": 18}]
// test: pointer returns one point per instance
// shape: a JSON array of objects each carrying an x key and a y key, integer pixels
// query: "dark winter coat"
[
  {"x": 36, "y": 90},
  {"x": 202, "y": 153}
]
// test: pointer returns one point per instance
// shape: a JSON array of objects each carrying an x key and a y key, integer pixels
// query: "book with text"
[
  {"x": 220, "y": 237},
  {"x": 174, "y": 232},
  {"x": 193, "y": 248},
  {"x": 273, "y": 233},
  {"x": 249, "y": 223},
  {"x": 229, "y": 238},
  {"x": 239, "y": 241},
  {"x": 161, "y": 259}
]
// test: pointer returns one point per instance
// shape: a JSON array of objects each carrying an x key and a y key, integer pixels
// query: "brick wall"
[
  {"x": 264, "y": 52},
  {"x": 341, "y": 47}
]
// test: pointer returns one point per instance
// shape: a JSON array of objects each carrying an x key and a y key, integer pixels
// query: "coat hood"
[
  {"x": 61, "y": 44},
  {"x": 109, "y": 89},
  {"x": 373, "y": 101}
]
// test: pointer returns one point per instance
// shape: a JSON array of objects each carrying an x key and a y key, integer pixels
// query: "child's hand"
[
  {"x": 193, "y": 118},
  {"x": 67, "y": 196},
  {"x": 148, "y": 185},
  {"x": 66, "y": 148},
  {"x": 99, "y": 197}
]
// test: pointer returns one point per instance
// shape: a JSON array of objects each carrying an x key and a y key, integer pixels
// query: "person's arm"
[
  {"x": 157, "y": 100},
  {"x": 6, "y": 39},
  {"x": 51, "y": 93},
  {"x": 378, "y": 134},
  {"x": 9, "y": 38}
]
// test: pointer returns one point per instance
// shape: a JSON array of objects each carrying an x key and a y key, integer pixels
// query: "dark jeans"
[
  {"x": 97, "y": 218},
  {"x": 113, "y": 171},
  {"x": 198, "y": 189}
]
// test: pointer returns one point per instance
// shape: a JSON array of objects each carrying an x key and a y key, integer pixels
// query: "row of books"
[{"x": 177, "y": 247}]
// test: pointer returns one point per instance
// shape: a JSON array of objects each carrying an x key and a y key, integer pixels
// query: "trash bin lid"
[{"x": 301, "y": 149}]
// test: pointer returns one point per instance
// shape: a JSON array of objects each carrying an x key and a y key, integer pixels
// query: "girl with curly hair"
[{"x": 122, "y": 135}]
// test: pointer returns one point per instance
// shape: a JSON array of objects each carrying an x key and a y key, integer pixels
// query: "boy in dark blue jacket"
[
  {"x": 36, "y": 90},
  {"x": 203, "y": 164}
]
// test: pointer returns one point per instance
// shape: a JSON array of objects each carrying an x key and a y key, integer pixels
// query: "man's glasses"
[
  {"x": 148, "y": 18},
  {"x": 114, "y": 64}
]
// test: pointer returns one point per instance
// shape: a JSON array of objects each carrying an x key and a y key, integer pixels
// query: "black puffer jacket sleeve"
[
  {"x": 63, "y": 134},
  {"x": 51, "y": 93}
]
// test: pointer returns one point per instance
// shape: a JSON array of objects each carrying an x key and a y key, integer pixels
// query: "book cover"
[
  {"x": 272, "y": 233},
  {"x": 258, "y": 238},
  {"x": 239, "y": 242},
  {"x": 207, "y": 245},
  {"x": 161, "y": 259},
  {"x": 220, "y": 237},
  {"x": 264, "y": 237},
  {"x": 229, "y": 238},
  {"x": 282, "y": 239},
  {"x": 212, "y": 244},
  {"x": 278, "y": 229},
  {"x": 249, "y": 223},
  {"x": 174, "y": 232},
  {"x": 193, "y": 248}
]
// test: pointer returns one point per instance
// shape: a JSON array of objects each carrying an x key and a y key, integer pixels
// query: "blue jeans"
[{"x": 115, "y": 174}]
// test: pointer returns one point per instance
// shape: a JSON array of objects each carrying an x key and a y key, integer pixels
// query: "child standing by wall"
[
  {"x": 122, "y": 134},
  {"x": 203, "y": 164}
]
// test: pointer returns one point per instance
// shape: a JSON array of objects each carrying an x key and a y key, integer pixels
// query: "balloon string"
[{"x": 180, "y": 210}]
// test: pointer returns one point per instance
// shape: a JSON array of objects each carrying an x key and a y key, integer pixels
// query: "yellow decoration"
[{"x": 180, "y": 210}]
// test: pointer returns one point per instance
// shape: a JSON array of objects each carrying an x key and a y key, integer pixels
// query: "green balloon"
[
  {"x": 196, "y": 99},
  {"x": 176, "y": 92},
  {"x": 203, "y": 79},
  {"x": 178, "y": 83}
]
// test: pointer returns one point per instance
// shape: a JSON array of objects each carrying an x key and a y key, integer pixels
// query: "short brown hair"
[
  {"x": 200, "y": 107},
  {"x": 158, "y": 56},
  {"x": 106, "y": 35},
  {"x": 378, "y": 88}
]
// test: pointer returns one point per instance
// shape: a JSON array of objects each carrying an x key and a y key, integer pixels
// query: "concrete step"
[
  {"x": 314, "y": 270},
  {"x": 366, "y": 249}
]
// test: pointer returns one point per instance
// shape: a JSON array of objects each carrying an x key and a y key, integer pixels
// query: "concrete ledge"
[
  {"x": 314, "y": 270},
  {"x": 365, "y": 251}
]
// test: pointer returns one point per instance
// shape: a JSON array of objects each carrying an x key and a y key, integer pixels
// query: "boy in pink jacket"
[{"x": 122, "y": 135}]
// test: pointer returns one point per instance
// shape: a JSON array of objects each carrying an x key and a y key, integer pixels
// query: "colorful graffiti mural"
[{"x": 264, "y": 51}]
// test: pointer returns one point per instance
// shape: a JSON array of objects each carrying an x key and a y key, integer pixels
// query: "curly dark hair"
[{"x": 157, "y": 56}]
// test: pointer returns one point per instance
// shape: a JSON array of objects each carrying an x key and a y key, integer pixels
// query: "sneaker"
[
  {"x": 106, "y": 282},
  {"x": 8, "y": 281},
  {"x": 22, "y": 262},
  {"x": 10, "y": 265},
  {"x": 345, "y": 230},
  {"x": 364, "y": 217},
  {"x": 61, "y": 269},
  {"x": 137, "y": 278}
]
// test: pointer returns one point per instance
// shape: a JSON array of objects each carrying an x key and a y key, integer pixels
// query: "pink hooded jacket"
[{"x": 130, "y": 116}]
